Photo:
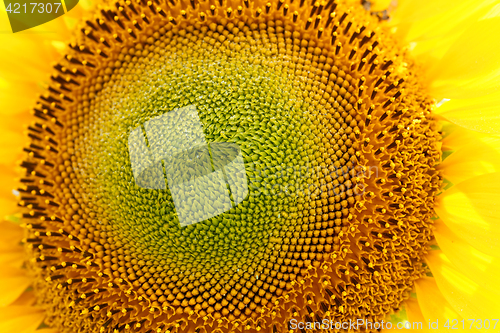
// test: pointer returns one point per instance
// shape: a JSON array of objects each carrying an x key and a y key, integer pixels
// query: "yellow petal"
[
  {"x": 11, "y": 144},
  {"x": 437, "y": 31},
  {"x": 470, "y": 89},
  {"x": 444, "y": 20},
  {"x": 12, "y": 258},
  {"x": 20, "y": 319},
  {"x": 24, "y": 72},
  {"x": 436, "y": 309},
  {"x": 28, "y": 298},
  {"x": 415, "y": 316},
  {"x": 471, "y": 210},
  {"x": 481, "y": 114},
  {"x": 467, "y": 298},
  {"x": 471, "y": 56},
  {"x": 13, "y": 282},
  {"x": 10, "y": 233},
  {"x": 9, "y": 183},
  {"x": 478, "y": 157},
  {"x": 11, "y": 255},
  {"x": 11, "y": 251},
  {"x": 431, "y": 301},
  {"x": 477, "y": 266},
  {"x": 18, "y": 97},
  {"x": 7, "y": 206},
  {"x": 432, "y": 27},
  {"x": 459, "y": 137},
  {"x": 411, "y": 11}
]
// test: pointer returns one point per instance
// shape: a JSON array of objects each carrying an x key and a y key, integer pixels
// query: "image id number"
[
  {"x": 34, "y": 7},
  {"x": 471, "y": 324}
]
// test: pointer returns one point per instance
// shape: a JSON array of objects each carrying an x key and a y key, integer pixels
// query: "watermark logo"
[
  {"x": 24, "y": 14},
  {"x": 208, "y": 179},
  {"x": 204, "y": 179}
]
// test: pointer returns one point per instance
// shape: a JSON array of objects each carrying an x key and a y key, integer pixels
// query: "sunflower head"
[{"x": 224, "y": 166}]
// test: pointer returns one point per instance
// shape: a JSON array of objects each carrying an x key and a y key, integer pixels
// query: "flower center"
[{"x": 254, "y": 167}]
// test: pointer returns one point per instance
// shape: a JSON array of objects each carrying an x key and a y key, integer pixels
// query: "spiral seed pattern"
[{"x": 339, "y": 149}]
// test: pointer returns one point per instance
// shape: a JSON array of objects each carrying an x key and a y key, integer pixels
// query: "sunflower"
[{"x": 228, "y": 166}]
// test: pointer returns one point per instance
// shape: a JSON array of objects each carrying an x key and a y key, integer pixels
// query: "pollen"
[{"x": 339, "y": 148}]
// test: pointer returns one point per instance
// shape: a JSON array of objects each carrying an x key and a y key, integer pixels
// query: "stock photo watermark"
[
  {"x": 352, "y": 325},
  {"x": 207, "y": 179},
  {"x": 364, "y": 324}
]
